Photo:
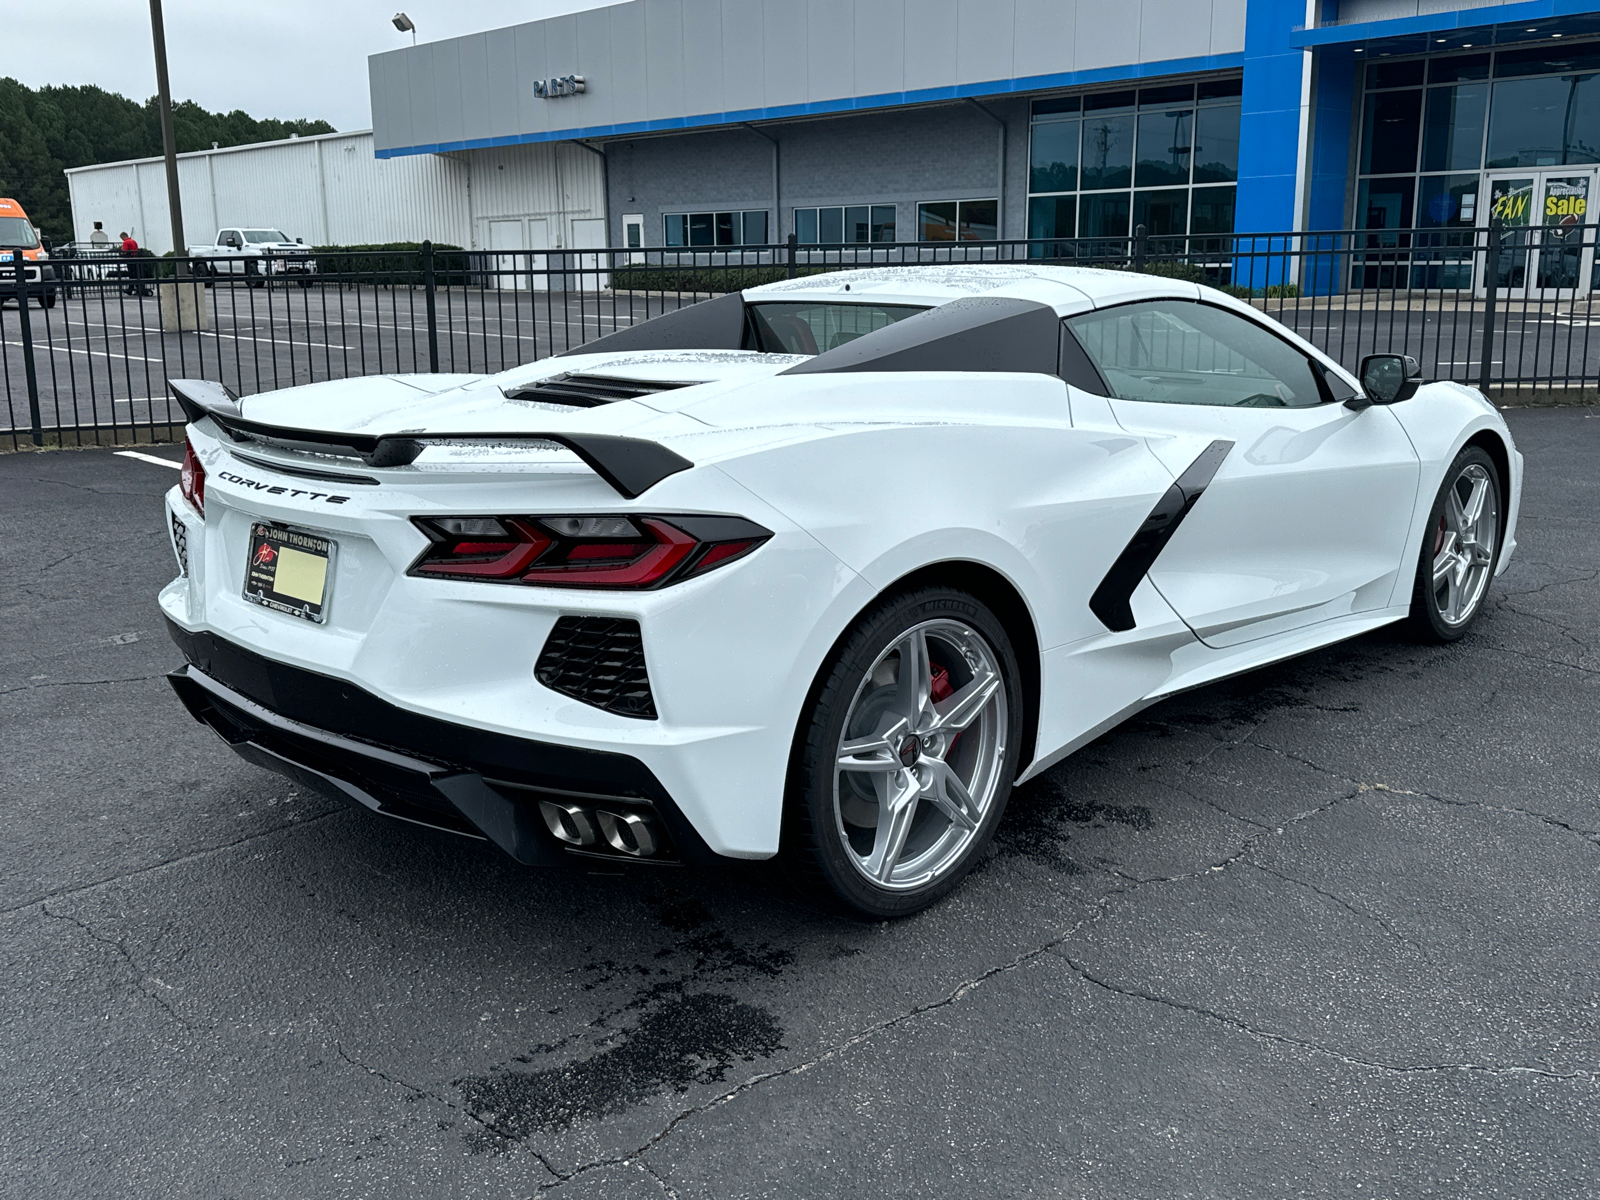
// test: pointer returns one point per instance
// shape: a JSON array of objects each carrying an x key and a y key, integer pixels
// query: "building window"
[
  {"x": 958, "y": 221},
  {"x": 852, "y": 223},
  {"x": 1432, "y": 127},
  {"x": 1101, "y": 164},
  {"x": 715, "y": 229}
]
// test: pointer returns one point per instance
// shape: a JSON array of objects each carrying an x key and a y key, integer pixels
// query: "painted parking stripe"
[{"x": 149, "y": 458}]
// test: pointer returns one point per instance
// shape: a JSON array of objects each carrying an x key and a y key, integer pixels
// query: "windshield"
[
  {"x": 265, "y": 235},
  {"x": 17, "y": 231},
  {"x": 817, "y": 327}
]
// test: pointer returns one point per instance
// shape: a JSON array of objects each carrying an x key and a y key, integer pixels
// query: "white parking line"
[{"x": 151, "y": 458}]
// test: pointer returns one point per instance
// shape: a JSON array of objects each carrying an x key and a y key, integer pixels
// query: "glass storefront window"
[
  {"x": 1166, "y": 142},
  {"x": 1108, "y": 161},
  {"x": 837, "y": 223},
  {"x": 936, "y": 222},
  {"x": 714, "y": 229},
  {"x": 1452, "y": 127},
  {"x": 977, "y": 220},
  {"x": 1216, "y": 148},
  {"x": 1053, "y": 157},
  {"x": 1107, "y": 151},
  {"x": 1385, "y": 204},
  {"x": 1052, "y": 217},
  {"x": 1449, "y": 202},
  {"x": 1162, "y": 213},
  {"x": 1213, "y": 210},
  {"x": 1549, "y": 122},
  {"x": 1389, "y": 132},
  {"x": 1104, "y": 215}
]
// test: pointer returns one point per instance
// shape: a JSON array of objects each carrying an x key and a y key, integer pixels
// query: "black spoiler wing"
[{"x": 630, "y": 465}]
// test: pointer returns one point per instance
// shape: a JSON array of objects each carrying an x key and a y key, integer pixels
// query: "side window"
[{"x": 1184, "y": 352}]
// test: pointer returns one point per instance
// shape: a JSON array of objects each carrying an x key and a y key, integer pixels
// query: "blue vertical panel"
[
  {"x": 1269, "y": 126},
  {"x": 1331, "y": 137}
]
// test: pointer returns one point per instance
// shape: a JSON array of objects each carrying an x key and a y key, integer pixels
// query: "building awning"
[{"x": 1490, "y": 25}]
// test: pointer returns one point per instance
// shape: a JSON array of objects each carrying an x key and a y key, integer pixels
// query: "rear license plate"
[{"x": 289, "y": 571}]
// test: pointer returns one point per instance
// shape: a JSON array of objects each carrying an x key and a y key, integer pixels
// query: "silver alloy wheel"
[
  {"x": 1464, "y": 544},
  {"x": 915, "y": 775}
]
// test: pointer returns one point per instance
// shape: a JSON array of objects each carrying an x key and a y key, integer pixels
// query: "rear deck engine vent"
[
  {"x": 599, "y": 660},
  {"x": 589, "y": 391}
]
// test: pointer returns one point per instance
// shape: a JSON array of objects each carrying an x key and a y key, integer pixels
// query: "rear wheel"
[
  {"x": 905, "y": 757},
  {"x": 1459, "y": 549}
]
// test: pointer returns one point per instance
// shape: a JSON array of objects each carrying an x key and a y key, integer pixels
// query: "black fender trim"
[
  {"x": 1112, "y": 600},
  {"x": 631, "y": 466}
]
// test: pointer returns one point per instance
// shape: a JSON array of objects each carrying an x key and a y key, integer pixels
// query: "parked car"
[
  {"x": 258, "y": 254},
  {"x": 19, "y": 237},
  {"x": 815, "y": 570}
]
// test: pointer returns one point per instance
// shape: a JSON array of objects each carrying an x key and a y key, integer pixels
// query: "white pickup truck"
[{"x": 256, "y": 254}]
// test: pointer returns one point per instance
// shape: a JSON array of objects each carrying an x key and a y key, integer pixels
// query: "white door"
[
  {"x": 538, "y": 264},
  {"x": 1543, "y": 250},
  {"x": 589, "y": 233},
  {"x": 1306, "y": 516},
  {"x": 509, "y": 264},
  {"x": 633, "y": 236}
]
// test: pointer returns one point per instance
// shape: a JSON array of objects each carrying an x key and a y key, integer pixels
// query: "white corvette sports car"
[{"x": 816, "y": 570}]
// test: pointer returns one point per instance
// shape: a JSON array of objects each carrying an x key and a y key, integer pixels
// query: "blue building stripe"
[
  {"x": 1439, "y": 22},
  {"x": 998, "y": 87}
]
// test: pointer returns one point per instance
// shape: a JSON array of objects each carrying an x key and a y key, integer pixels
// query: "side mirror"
[
  {"x": 1390, "y": 378},
  {"x": 300, "y": 241}
]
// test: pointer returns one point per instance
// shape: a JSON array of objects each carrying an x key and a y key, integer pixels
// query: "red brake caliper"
[{"x": 941, "y": 690}]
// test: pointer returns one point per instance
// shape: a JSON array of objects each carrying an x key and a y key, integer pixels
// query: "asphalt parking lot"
[{"x": 1326, "y": 930}]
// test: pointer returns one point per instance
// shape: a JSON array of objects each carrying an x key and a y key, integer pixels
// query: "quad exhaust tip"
[{"x": 629, "y": 833}]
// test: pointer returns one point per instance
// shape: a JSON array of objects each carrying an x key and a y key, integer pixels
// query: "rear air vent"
[
  {"x": 599, "y": 660},
  {"x": 587, "y": 391},
  {"x": 180, "y": 543}
]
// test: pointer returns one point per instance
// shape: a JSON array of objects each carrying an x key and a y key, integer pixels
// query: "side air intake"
[{"x": 599, "y": 660}]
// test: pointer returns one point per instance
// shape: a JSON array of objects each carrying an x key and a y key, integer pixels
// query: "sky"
[{"x": 284, "y": 59}]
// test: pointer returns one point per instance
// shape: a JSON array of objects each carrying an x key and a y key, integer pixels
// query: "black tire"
[
  {"x": 1427, "y": 620},
  {"x": 47, "y": 300},
  {"x": 814, "y": 855}
]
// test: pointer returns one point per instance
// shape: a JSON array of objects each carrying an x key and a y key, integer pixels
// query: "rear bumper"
[{"x": 336, "y": 738}]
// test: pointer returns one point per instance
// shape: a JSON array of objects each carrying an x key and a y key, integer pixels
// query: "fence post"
[
  {"x": 26, "y": 325},
  {"x": 1139, "y": 241},
  {"x": 433, "y": 316},
  {"x": 1491, "y": 285},
  {"x": 793, "y": 243}
]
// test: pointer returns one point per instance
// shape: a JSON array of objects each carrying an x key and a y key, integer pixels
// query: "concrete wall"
[
  {"x": 663, "y": 64},
  {"x": 331, "y": 190},
  {"x": 899, "y": 157}
]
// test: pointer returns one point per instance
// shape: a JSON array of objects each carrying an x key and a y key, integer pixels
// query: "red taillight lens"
[
  {"x": 592, "y": 551},
  {"x": 192, "y": 480}
]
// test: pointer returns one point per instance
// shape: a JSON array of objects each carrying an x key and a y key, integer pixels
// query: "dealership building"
[{"x": 721, "y": 123}]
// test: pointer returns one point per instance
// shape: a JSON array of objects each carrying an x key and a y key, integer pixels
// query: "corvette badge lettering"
[{"x": 272, "y": 490}]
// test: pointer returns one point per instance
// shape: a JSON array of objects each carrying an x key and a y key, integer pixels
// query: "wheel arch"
[
  {"x": 1492, "y": 444},
  {"x": 1002, "y": 598}
]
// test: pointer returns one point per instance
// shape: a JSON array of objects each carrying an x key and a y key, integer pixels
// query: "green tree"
[{"x": 44, "y": 132}]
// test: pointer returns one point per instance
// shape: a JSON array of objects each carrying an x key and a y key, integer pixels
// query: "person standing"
[
  {"x": 100, "y": 239},
  {"x": 130, "y": 253}
]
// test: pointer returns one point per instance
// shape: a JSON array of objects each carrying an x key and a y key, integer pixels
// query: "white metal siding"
[{"x": 331, "y": 190}]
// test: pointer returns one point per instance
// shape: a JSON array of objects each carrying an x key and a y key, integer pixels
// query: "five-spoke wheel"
[
  {"x": 1460, "y": 548},
  {"x": 908, "y": 755}
]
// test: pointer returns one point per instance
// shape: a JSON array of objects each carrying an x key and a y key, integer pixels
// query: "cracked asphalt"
[{"x": 1325, "y": 930}]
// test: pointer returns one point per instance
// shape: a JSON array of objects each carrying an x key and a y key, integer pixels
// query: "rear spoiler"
[{"x": 630, "y": 465}]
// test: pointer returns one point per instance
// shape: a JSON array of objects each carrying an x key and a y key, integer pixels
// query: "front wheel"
[
  {"x": 1460, "y": 548},
  {"x": 905, "y": 756}
]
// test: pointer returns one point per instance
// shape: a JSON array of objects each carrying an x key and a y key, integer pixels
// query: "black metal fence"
[{"x": 90, "y": 341}]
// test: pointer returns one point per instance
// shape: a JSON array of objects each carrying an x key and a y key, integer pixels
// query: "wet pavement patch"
[{"x": 689, "y": 1040}]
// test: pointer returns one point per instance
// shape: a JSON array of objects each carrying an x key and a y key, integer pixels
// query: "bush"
[
  {"x": 704, "y": 278},
  {"x": 398, "y": 264}
]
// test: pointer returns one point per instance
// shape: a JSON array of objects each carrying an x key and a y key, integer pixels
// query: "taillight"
[
  {"x": 192, "y": 480},
  {"x": 584, "y": 551}
]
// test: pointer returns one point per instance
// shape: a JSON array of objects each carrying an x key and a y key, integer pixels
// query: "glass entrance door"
[{"x": 1545, "y": 248}]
